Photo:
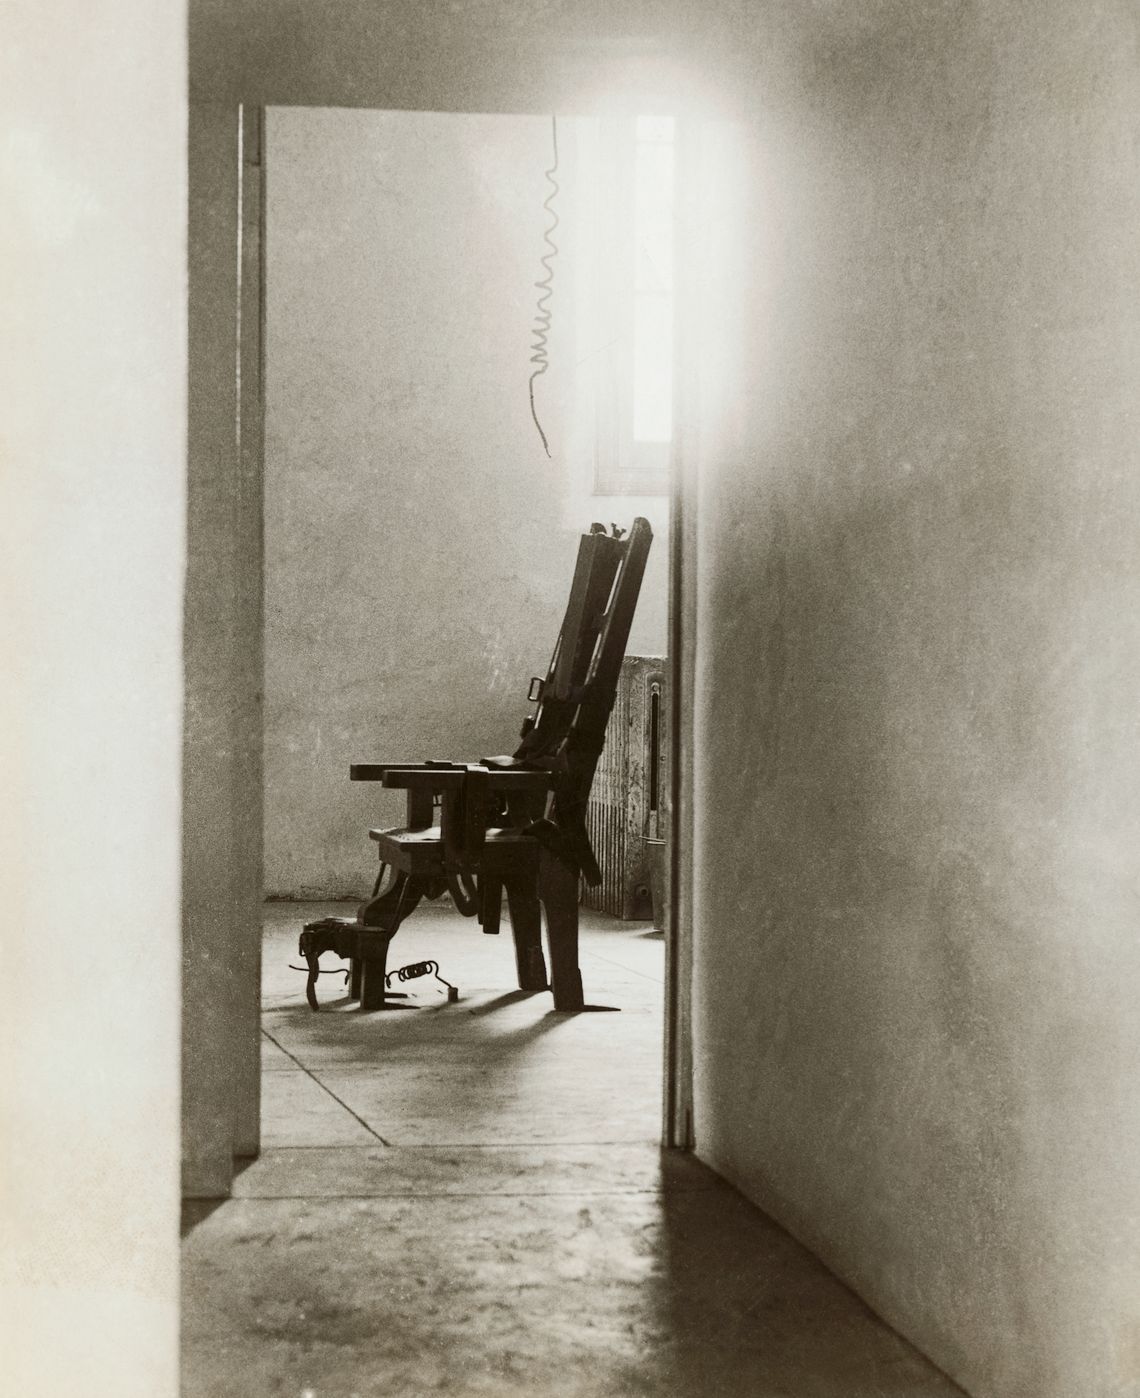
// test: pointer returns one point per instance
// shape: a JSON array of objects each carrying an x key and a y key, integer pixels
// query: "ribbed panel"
[
  {"x": 618, "y": 818},
  {"x": 605, "y": 815}
]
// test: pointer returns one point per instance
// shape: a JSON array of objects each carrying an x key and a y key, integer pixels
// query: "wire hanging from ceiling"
[{"x": 545, "y": 287}]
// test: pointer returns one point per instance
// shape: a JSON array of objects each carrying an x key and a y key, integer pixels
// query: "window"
[{"x": 633, "y": 165}]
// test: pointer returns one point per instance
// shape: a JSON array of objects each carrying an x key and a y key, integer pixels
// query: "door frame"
[{"x": 242, "y": 60}]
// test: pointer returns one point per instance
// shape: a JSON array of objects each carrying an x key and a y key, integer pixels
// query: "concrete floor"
[{"x": 468, "y": 1199}]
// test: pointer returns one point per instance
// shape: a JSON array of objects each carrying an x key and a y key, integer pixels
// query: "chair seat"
[
  {"x": 432, "y": 836},
  {"x": 421, "y": 851},
  {"x": 428, "y": 836}
]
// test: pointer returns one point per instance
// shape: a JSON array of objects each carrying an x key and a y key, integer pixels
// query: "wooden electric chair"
[{"x": 515, "y": 823}]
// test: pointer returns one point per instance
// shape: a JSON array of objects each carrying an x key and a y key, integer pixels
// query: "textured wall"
[
  {"x": 221, "y": 779},
  {"x": 92, "y": 358},
  {"x": 917, "y": 1038},
  {"x": 419, "y": 544},
  {"x": 915, "y": 1026}
]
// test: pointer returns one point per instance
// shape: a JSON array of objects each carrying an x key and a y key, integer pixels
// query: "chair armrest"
[
  {"x": 434, "y": 779},
  {"x": 439, "y": 776},
  {"x": 375, "y": 771}
]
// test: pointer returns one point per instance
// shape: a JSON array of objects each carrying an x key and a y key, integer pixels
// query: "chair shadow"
[{"x": 510, "y": 997}]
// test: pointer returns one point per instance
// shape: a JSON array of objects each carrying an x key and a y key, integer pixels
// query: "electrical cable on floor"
[
  {"x": 422, "y": 968},
  {"x": 545, "y": 286},
  {"x": 321, "y": 971},
  {"x": 411, "y": 972}
]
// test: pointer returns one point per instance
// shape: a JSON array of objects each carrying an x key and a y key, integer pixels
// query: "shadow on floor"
[{"x": 469, "y": 1201}]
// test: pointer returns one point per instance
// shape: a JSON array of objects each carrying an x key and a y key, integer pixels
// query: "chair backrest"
[{"x": 568, "y": 730}]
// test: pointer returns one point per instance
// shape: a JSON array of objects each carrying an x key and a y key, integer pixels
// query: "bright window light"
[
  {"x": 652, "y": 404},
  {"x": 626, "y": 167}
]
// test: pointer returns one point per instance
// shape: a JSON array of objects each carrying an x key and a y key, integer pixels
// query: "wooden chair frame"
[{"x": 515, "y": 823}]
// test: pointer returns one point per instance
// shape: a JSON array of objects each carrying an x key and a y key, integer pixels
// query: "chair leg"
[
  {"x": 558, "y": 890},
  {"x": 380, "y": 920},
  {"x": 373, "y": 964},
  {"x": 355, "y": 978},
  {"x": 490, "y": 904},
  {"x": 389, "y": 909},
  {"x": 526, "y": 926}
]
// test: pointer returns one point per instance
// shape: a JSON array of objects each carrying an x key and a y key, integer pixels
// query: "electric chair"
[{"x": 514, "y": 823}]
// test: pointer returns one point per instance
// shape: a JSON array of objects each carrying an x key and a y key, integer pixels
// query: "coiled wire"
[
  {"x": 417, "y": 969},
  {"x": 545, "y": 287}
]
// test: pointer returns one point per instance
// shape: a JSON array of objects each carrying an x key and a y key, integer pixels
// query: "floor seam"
[
  {"x": 597, "y": 956},
  {"x": 497, "y": 1145},
  {"x": 488, "y": 1194},
  {"x": 449, "y": 1145},
  {"x": 475, "y": 1145},
  {"x": 355, "y": 1115}
]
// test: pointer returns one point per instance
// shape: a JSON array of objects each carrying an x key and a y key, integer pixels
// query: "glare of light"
[{"x": 653, "y": 280}]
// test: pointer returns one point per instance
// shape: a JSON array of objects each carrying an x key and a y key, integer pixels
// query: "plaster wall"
[
  {"x": 92, "y": 500},
  {"x": 221, "y": 780},
  {"x": 419, "y": 544},
  {"x": 918, "y": 758},
  {"x": 914, "y": 772}
]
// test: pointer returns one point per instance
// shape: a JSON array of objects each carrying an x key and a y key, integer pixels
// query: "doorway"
[
  {"x": 223, "y": 786},
  {"x": 418, "y": 539}
]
